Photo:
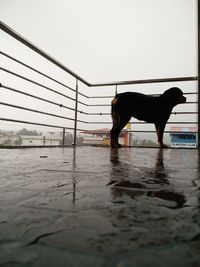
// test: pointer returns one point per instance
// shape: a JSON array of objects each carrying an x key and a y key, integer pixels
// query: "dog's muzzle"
[{"x": 182, "y": 99}]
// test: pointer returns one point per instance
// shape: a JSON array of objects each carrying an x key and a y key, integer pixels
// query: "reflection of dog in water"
[
  {"x": 152, "y": 109},
  {"x": 158, "y": 177}
]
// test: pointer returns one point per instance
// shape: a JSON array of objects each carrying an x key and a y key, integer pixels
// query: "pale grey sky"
[{"x": 105, "y": 40}]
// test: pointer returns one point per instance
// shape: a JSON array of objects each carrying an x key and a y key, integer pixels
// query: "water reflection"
[
  {"x": 73, "y": 175},
  {"x": 134, "y": 181}
]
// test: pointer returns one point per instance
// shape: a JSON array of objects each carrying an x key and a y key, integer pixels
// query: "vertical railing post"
[
  {"x": 63, "y": 137},
  {"x": 198, "y": 15},
  {"x": 76, "y": 113}
]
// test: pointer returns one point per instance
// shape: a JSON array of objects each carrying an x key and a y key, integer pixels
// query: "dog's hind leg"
[
  {"x": 116, "y": 122},
  {"x": 116, "y": 130},
  {"x": 119, "y": 121}
]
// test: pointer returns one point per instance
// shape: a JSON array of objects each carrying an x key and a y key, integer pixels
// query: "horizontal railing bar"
[
  {"x": 39, "y": 124},
  {"x": 161, "y": 80},
  {"x": 191, "y": 93},
  {"x": 169, "y": 122},
  {"x": 141, "y": 122},
  {"x": 21, "y": 39},
  {"x": 184, "y": 113},
  {"x": 99, "y": 97},
  {"x": 40, "y": 112},
  {"x": 99, "y": 105},
  {"x": 96, "y": 97},
  {"x": 41, "y": 73},
  {"x": 99, "y": 113},
  {"x": 174, "y": 113},
  {"x": 39, "y": 84},
  {"x": 109, "y": 105},
  {"x": 37, "y": 97},
  {"x": 150, "y": 131},
  {"x": 147, "y": 131}
]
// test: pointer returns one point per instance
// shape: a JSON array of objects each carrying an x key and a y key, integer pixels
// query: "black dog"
[{"x": 152, "y": 109}]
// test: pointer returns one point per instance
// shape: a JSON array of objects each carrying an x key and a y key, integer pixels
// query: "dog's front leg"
[{"x": 160, "y": 131}]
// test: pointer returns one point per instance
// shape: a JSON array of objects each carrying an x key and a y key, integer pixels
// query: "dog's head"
[{"x": 174, "y": 95}]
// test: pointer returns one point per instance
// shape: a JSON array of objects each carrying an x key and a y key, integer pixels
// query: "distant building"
[
  {"x": 183, "y": 137},
  {"x": 8, "y": 139},
  {"x": 48, "y": 139},
  {"x": 102, "y": 137}
]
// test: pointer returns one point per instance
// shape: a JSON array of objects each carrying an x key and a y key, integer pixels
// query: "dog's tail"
[
  {"x": 114, "y": 101},
  {"x": 114, "y": 112},
  {"x": 113, "y": 104}
]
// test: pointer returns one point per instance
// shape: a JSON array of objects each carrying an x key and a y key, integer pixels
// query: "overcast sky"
[{"x": 107, "y": 40}]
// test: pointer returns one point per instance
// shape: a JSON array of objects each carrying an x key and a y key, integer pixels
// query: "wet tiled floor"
[{"x": 93, "y": 206}]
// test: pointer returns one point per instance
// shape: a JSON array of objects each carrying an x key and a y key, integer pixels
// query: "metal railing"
[{"x": 80, "y": 107}]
